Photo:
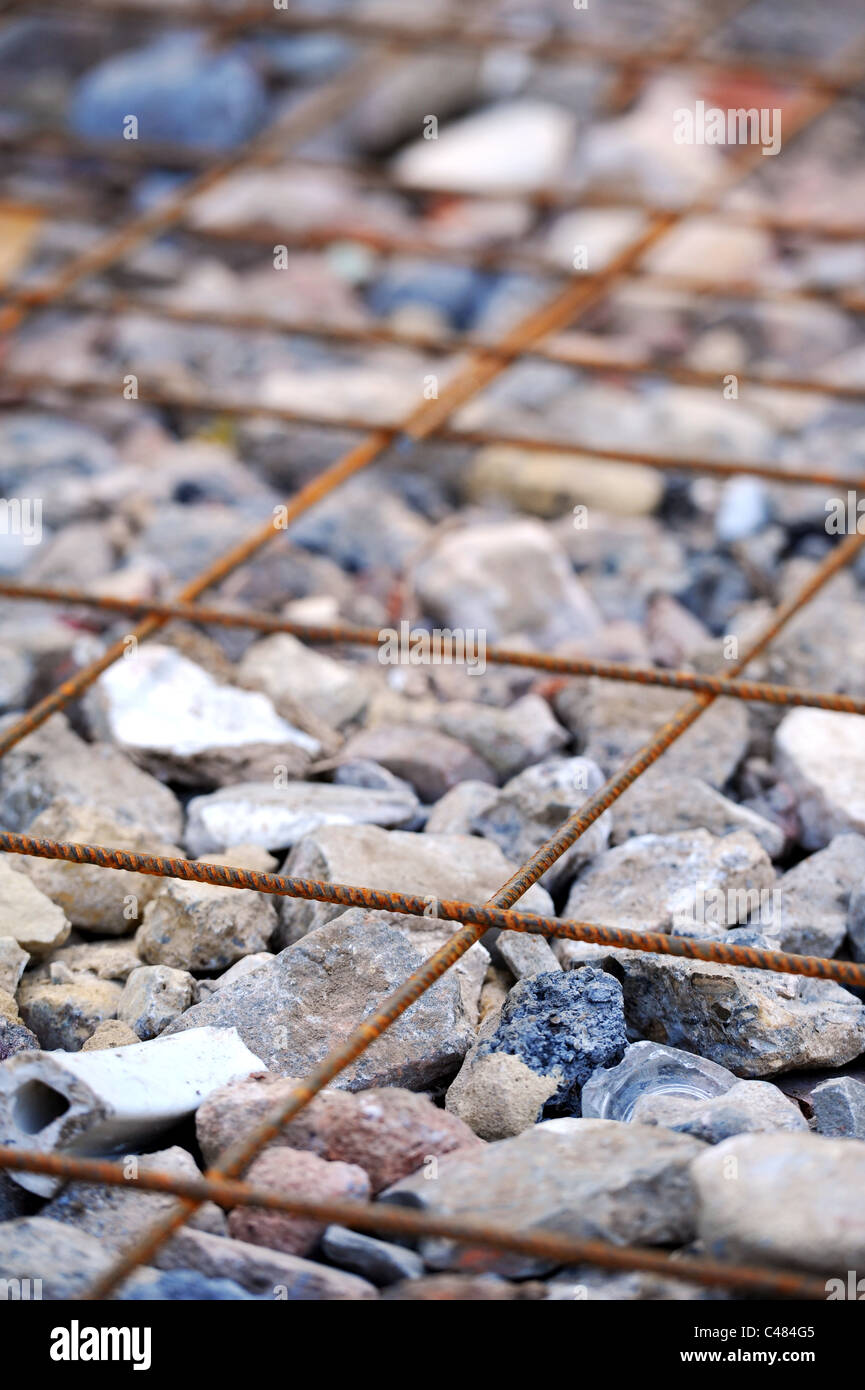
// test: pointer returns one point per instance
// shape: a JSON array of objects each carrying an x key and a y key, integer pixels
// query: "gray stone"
[
  {"x": 53, "y": 764},
  {"x": 108, "y": 960},
  {"x": 665, "y": 883},
  {"x": 64, "y": 1015},
  {"x": 591, "y": 1179},
  {"x": 174, "y": 718},
  {"x": 796, "y": 1201},
  {"x": 589, "y": 1283},
  {"x": 376, "y": 1260},
  {"x": 27, "y": 915},
  {"x": 461, "y": 867},
  {"x": 455, "y": 812},
  {"x": 856, "y": 922},
  {"x": 64, "y": 1259},
  {"x": 269, "y": 1273},
  {"x": 749, "y": 1107},
  {"x": 613, "y": 720},
  {"x": 292, "y": 674},
  {"x": 182, "y": 1285},
  {"x": 198, "y": 926},
  {"x": 14, "y": 1037},
  {"x": 532, "y": 806},
  {"x": 755, "y": 1022},
  {"x": 292, "y": 1013},
  {"x": 661, "y": 805},
  {"x": 839, "y": 1107},
  {"x": 110, "y": 1034},
  {"x": 432, "y": 762},
  {"x": 520, "y": 144},
  {"x": 807, "y": 911},
  {"x": 93, "y": 898},
  {"x": 821, "y": 754},
  {"x": 508, "y": 740},
  {"x": 275, "y": 817},
  {"x": 12, "y": 963},
  {"x": 153, "y": 996},
  {"x": 530, "y": 1062},
  {"x": 526, "y": 953},
  {"x": 549, "y": 484},
  {"x": 504, "y": 578}
]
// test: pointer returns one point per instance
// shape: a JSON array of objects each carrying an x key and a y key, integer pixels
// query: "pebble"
[
  {"x": 291, "y": 673},
  {"x": 796, "y": 1202},
  {"x": 419, "y": 83},
  {"x": 54, "y": 764},
  {"x": 363, "y": 527},
  {"x": 275, "y": 817},
  {"x": 653, "y": 882},
  {"x": 201, "y": 927},
  {"x": 838, "y": 1106},
  {"x": 90, "y": 897},
  {"x": 65, "y": 1259},
  {"x": 664, "y": 805},
  {"x": 14, "y": 1037},
  {"x": 110, "y": 1034},
  {"x": 180, "y": 93},
  {"x": 822, "y": 755},
  {"x": 153, "y": 996},
  {"x": 612, "y": 722},
  {"x": 526, "y": 953},
  {"x": 12, "y": 963},
  {"x": 549, "y": 484},
  {"x": 389, "y": 1132},
  {"x": 455, "y": 812},
  {"x": 64, "y": 1015},
  {"x": 293, "y": 1012},
  {"x": 744, "y": 510},
  {"x": 378, "y": 1261},
  {"x": 503, "y": 579},
  {"x": 462, "y": 867},
  {"x": 748, "y": 1107},
  {"x": 172, "y": 716},
  {"x": 28, "y": 915},
  {"x": 808, "y": 912},
  {"x": 508, "y": 740},
  {"x": 584, "y": 1178},
  {"x": 432, "y": 762},
  {"x": 532, "y": 806},
  {"x": 754, "y": 1022},
  {"x": 509, "y": 147},
  {"x": 181, "y": 1285},
  {"x": 270, "y": 1274},
  {"x": 530, "y": 1062},
  {"x": 295, "y": 1173}
]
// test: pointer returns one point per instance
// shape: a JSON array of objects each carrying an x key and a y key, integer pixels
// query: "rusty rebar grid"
[{"x": 420, "y": 424}]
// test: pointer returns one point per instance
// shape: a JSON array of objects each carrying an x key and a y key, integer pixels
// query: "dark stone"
[{"x": 14, "y": 1037}]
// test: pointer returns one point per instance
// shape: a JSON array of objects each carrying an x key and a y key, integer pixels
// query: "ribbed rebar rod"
[
  {"x": 452, "y": 910},
  {"x": 758, "y": 692},
  {"x": 392, "y": 1220}
]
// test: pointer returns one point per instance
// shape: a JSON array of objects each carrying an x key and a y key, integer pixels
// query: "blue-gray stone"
[
  {"x": 179, "y": 91},
  {"x": 184, "y": 1285},
  {"x": 376, "y": 1260},
  {"x": 453, "y": 291}
]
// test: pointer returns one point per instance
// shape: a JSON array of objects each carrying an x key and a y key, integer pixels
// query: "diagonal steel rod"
[{"x": 760, "y": 692}]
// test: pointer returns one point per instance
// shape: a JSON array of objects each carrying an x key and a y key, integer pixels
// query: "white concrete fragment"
[{"x": 96, "y": 1103}]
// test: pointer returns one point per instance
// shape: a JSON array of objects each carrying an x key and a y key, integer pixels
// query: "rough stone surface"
[
  {"x": 292, "y": 1013},
  {"x": 53, "y": 764},
  {"x": 584, "y": 1178},
  {"x": 295, "y": 1173},
  {"x": 661, "y": 805},
  {"x": 276, "y": 817},
  {"x": 111, "y": 1033},
  {"x": 455, "y": 812},
  {"x": 796, "y": 1201},
  {"x": 547, "y": 484},
  {"x": 271, "y": 1273},
  {"x": 526, "y": 954},
  {"x": 153, "y": 996},
  {"x": 12, "y": 963},
  {"x": 376, "y": 1260},
  {"x": 14, "y": 1037},
  {"x": 508, "y": 740},
  {"x": 503, "y": 579},
  {"x": 856, "y": 922},
  {"x": 175, "y": 719},
  {"x": 92, "y": 898},
  {"x": 66, "y": 1015},
  {"x": 749, "y": 1107},
  {"x": 465, "y": 1288},
  {"x": 612, "y": 721},
  {"x": 389, "y": 1132},
  {"x": 66, "y": 1260},
  {"x": 198, "y": 926},
  {"x": 839, "y": 1108},
  {"x": 755, "y": 1022},
  {"x": 807, "y": 912},
  {"x": 431, "y": 761},
  {"x": 432, "y": 866},
  {"x": 27, "y": 915},
  {"x": 109, "y": 960},
  {"x": 532, "y": 806},
  {"x": 531, "y": 1061},
  {"x": 292, "y": 674},
  {"x": 822, "y": 755},
  {"x": 182, "y": 1285},
  {"x": 653, "y": 882}
]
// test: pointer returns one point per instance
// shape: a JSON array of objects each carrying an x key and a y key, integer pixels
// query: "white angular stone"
[
  {"x": 287, "y": 670},
  {"x": 515, "y": 145},
  {"x": 821, "y": 754},
  {"x": 28, "y": 915}
]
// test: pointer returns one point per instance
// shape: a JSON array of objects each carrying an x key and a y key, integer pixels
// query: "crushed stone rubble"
[{"x": 540, "y": 1085}]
